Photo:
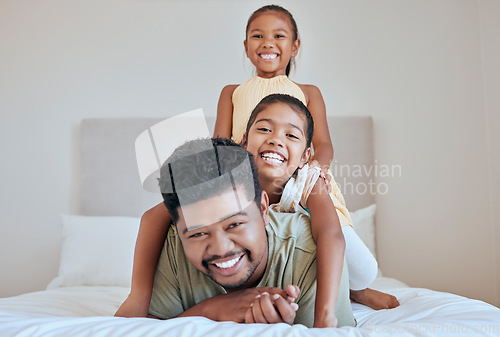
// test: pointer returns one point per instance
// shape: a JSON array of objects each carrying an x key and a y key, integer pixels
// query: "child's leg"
[
  {"x": 363, "y": 267},
  {"x": 374, "y": 299}
]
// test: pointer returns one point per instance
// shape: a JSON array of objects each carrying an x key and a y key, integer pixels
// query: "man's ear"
[
  {"x": 305, "y": 157},
  {"x": 264, "y": 206}
]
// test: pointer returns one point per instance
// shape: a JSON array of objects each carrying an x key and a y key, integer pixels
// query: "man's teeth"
[
  {"x": 228, "y": 264},
  {"x": 273, "y": 157},
  {"x": 268, "y": 56}
]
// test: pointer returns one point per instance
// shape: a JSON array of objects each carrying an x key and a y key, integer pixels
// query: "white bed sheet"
[{"x": 87, "y": 311}]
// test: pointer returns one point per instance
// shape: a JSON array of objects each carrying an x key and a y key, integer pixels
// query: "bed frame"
[{"x": 110, "y": 184}]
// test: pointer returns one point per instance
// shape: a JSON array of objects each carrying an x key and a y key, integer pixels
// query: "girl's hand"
[
  {"x": 269, "y": 309},
  {"x": 327, "y": 178}
]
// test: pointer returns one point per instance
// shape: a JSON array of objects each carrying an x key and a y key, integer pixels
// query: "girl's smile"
[{"x": 273, "y": 158}]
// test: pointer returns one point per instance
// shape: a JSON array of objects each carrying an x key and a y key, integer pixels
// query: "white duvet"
[{"x": 87, "y": 311}]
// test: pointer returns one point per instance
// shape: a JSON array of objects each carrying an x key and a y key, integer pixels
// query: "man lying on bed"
[{"x": 226, "y": 258}]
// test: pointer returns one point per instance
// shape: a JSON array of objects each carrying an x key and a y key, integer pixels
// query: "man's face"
[{"x": 225, "y": 242}]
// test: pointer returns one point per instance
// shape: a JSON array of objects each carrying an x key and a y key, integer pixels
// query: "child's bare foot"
[{"x": 374, "y": 299}]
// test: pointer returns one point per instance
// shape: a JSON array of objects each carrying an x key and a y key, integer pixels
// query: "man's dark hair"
[{"x": 193, "y": 173}]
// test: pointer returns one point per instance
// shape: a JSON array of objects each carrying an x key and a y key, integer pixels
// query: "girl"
[
  {"x": 279, "y": 134},
  {"x": 272, "y": 42}
]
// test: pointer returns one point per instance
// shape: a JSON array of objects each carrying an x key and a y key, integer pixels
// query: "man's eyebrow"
[
  {"x": 235, "y": 214},
  {"x": 269, "y": 120},
  {"x": 192, "y": 228},
  {"x": 243, "y": 213}
]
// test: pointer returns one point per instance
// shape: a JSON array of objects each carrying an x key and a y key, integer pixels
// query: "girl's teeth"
[
  {"x": 273, "y": 157},
  {"x": 228, "y": 264},
  {"x": 268, "y": 56},
  {"x": 273, "y": 160}
]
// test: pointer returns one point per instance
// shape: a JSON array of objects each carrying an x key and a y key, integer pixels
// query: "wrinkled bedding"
[{"x": 87, "y": 311}]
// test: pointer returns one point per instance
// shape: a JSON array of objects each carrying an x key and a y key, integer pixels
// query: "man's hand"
[
  {"x": 233, "y": 306},
  {"x": 274, "y": 308}
]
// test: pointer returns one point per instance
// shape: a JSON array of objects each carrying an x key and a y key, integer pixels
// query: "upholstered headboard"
[{"x": 110, "y": 184}]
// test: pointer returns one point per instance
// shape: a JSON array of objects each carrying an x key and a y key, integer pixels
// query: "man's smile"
[{"x": 227, "y": 267}]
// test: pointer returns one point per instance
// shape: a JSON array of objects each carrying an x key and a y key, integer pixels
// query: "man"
[{"x": 229, "y": 257}]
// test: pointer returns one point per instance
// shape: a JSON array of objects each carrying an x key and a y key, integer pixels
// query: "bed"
[{"x": 97, "y": 250}]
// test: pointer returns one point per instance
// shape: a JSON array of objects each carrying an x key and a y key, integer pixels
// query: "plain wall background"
[{"x": 427, "y": 71}]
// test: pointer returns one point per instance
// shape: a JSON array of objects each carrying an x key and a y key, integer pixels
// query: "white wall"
[
  {"x": 490, "y": 26},
  {"x": 427, "y": 72}
]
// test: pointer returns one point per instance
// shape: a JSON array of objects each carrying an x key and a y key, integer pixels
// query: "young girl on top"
[{"x": 272, "y": 42}]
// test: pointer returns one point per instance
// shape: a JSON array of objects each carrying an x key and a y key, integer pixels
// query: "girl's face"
[
  {"x": 277, "y": 139},
  {"x": 270, "y": 44}
]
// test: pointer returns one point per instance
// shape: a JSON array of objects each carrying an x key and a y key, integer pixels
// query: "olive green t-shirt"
[{"x": 178, "y": 285}]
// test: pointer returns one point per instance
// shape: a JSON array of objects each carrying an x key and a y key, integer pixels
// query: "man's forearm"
[
  {"x": 231, "y": 306},
  {"x": 200, "y": 309}
]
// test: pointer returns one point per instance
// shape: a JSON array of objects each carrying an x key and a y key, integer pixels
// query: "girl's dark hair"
[
  {"x": 281, "y": 10},
  {"x": 293, "y": 103}
]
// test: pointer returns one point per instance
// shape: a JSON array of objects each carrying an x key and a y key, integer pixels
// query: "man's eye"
[
  {"x": 197, "y": 235},
  {"x": 233, "y": 225}
]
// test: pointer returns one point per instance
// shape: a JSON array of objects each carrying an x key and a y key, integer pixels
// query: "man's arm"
[{"x": 232, "y": 306}]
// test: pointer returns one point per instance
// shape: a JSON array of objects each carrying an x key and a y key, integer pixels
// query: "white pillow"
[
  {"x": 96, "y": 251},
  {"x": 363, "y": 221}
]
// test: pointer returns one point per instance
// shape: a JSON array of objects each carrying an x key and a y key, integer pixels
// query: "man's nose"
[{"x": 220, "y": 244}]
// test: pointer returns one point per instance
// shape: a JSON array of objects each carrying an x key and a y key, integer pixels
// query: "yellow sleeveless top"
[{"x": 247, "y": 95}]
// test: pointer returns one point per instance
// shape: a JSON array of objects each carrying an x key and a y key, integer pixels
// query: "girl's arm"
[
  {"x": 326, "y": 231},
  {"x": 224, "y": 122},
  {"x": 323, "y": 149},
  {"x": 150, "y": 241}
]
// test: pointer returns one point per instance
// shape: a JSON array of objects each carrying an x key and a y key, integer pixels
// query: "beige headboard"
[{"x": 110, "y": 184}]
